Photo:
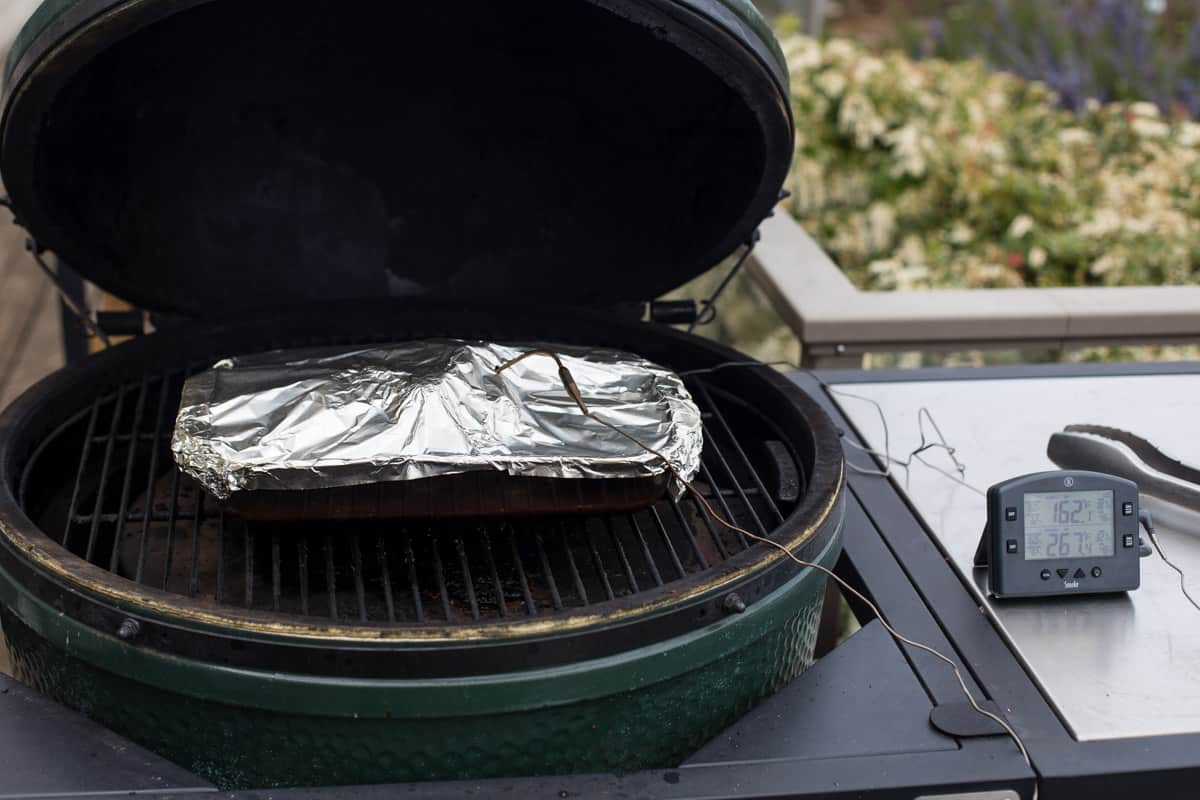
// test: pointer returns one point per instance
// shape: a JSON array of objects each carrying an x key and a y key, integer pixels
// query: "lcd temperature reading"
[{"x": 1068, "y": 525}]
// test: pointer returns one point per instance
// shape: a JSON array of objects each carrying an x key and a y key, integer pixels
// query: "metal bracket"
[{"x": 31, "y": 245}]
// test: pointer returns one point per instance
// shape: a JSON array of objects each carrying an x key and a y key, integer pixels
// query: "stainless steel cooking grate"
[{"x": 130, "y": 511}]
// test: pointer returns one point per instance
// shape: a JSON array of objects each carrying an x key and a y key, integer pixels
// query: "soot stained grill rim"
[{"x": 223, "y": 635}]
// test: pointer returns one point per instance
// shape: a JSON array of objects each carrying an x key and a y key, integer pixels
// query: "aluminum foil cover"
[{"x": 320, "y": 418}]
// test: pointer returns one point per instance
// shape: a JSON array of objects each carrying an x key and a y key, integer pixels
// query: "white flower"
[
  {"x": 1069, "y": 137},
  {"x": 912, "y": 277},
  {"x": 1105, "y": 264},
  {"x": 1150, "y": 128},
  {"x": 831, "y": 83},
  {"x": 859, "y": 119},
  {"x": 912, "y": 251},
  {"x": 841, "y": 49},
  {"x": 1037, "y": 258},
  {"x": 1143, "y": 109},
  {"x": 907, "y": 145},
  {"x": 865, "y": 68},
  {"x": 1189, "y": 134},
  {"x": 881, "y": 226},
  {"x": 961, "y": 233},
  {"x": 1021, "y": 225}
]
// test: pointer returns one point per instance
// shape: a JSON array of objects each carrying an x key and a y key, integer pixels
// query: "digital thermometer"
[{"x": 1061, "y": 533}]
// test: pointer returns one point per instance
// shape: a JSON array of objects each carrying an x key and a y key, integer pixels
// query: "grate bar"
[
  {"x": 737, "y": 447},
  {"x": 104, "y": 469},
  {"x": 472, "y": 600},
  {"x": 630, "y": 577},
  {"x": 249, "y": 588},
  {"x": 690, "y": 532},
  {"x": 721, "y": 496},
  {"x": 650, "y": 562},
  {"x": 530, "y": 605},
  {"x": 139, "y": 570},
  {"x": 194, "y": 577},
  {"x": 598, "y": 563},
  {"x": 497, "y": 584},
  {"x": 418, "y": 607},
  {"x": 127, "y": 481},
  {"x": 385, "y": 578},
  {"x": 302, "y": 562},
  {"x": 666, "y": 537},
  {"x": 356, "y": 567},
  {"x": 548, "y": 573},
  {"x": 170, "y": 543},
  {"x": 762, "y": 529},
  {"x": 221, "y": 557},
  {"x": 276, "y": 573},
  {"x": 440, "y": 572},
  {"x": 331, "y": 578},
  {"x": 575, "y": 576},
  {"x": 83, "y": 461}
]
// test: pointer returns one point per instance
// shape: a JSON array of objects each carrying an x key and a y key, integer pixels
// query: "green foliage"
[{"x": 946, "y": 174}]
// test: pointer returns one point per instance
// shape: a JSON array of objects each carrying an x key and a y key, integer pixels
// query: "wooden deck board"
[{"x": 30, "y": 331}]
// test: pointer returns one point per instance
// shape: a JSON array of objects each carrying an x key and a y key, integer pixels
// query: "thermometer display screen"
[{"x": 1068, "y": 525}]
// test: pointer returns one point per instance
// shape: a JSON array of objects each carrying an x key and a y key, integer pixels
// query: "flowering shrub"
[
  {"x": 935, "y": 174},
  {"x": 1106, "y": 49}
]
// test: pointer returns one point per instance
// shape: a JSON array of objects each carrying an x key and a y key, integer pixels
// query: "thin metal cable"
[
  {"x": 923, "y": 415},
  {"x": 573, "y": 391},
  {"x": 1182, "y": 578},
  {"x": 709, "y": 306}
]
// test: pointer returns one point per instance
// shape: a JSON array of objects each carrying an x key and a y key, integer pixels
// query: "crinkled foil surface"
[{"x": 320, "y": 418}]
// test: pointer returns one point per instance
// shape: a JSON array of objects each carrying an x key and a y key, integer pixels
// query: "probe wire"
[
  {"x": 1148, "y": 523},
  {"x": 573, "y": 391}
]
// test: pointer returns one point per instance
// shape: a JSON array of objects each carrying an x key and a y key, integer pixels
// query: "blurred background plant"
[
  {"x": 1030, "y": 144},
  {"x": 934, "y": 174},
  {"x": 1106, "y": 50}
]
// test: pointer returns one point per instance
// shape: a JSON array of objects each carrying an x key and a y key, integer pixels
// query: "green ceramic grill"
[{"x": 268, "y": 174}]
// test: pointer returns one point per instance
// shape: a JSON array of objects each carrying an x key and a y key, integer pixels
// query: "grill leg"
[
  {"x": 830, "y": 627},
  {"x": 74, "y": 336}
]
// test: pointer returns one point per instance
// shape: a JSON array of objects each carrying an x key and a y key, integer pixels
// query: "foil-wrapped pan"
[{"x": 337, "y": 417}]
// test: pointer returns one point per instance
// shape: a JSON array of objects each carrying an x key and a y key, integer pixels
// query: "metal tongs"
[{"x": 1117, "y": 452}]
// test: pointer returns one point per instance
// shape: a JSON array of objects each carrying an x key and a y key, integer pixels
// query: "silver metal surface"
[
  {"x": 1113, "y": 451},
  {"x": 320, "y": 418},
  {"x": 998, "y": 794},
  {"x": 1113, "y": 666}
]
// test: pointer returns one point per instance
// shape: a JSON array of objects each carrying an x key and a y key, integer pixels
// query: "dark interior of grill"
[
  {"x": 544, "y": 150},
  {"x": 104, "y": 485}
]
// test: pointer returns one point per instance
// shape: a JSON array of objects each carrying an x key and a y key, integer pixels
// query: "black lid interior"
[{"x": 240, "y": 154}]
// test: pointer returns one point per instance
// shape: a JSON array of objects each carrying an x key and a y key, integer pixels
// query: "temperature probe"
[{"x": 1061, "y": 533}]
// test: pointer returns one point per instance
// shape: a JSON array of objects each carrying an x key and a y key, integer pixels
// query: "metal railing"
[{"x": 838, "y": 324}]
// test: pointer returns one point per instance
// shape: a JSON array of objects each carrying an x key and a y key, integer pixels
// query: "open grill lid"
[{"x": 215, "y": 156}]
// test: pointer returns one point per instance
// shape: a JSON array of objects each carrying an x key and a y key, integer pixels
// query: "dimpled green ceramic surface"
[{"x": 645, "y": 708}]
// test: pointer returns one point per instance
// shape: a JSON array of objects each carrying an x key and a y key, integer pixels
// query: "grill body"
[
  {"x": 650, "y": 707},
  {"x": 263, "y": 686}
]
